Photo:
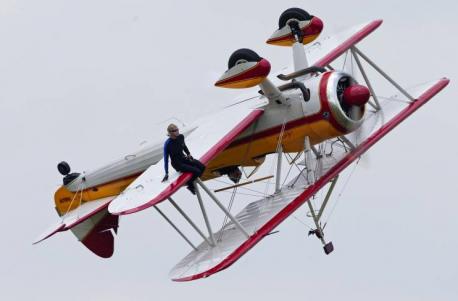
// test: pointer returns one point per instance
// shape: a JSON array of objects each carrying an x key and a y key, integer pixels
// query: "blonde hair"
[{"x": 171, "y": 127}]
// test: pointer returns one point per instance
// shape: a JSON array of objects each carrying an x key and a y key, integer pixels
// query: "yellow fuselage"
[{"x": 242, "y": 152}]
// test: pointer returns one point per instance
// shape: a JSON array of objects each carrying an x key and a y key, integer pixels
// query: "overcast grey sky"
[{"x": 87, "y": 81}]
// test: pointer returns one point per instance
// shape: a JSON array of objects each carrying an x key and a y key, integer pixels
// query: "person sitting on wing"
[{"x": 180, "y": 157}]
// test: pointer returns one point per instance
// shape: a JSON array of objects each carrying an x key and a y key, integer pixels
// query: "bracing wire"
[
  {"x": 243, "y": 187},
  {"x": 342, "y": 190},
  {"x": 81, "y": 198},
  {"x": 73, "y": 199},
  {"x": 303, "y": 223},
  {"x": 345, "y": 60},
  {"x": 291, "y": 162},
  {"x": 246, "y": 194},
  {"x": 231, "y": 202},
  {"x": 279, "y": 141},
  {"x": 287, "y": 174}
]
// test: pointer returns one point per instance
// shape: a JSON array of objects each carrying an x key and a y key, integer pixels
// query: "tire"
[
  {"x": 243, "y": 54},
  {"x": 63, "y": 168},
  {"x": 293, "y": 13}
]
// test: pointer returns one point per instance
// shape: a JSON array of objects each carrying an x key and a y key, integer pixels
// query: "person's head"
[{"x": 172, "y": 131}]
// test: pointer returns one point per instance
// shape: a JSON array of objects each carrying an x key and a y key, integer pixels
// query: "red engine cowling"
[
  {"x": 345, "y": 98},
  {"x": 337, "y": 97}
]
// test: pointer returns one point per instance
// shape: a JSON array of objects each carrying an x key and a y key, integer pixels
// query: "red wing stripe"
[
  {"x": 311, "y": 190},
  {"x": 357, "y": 37},
  {"x": 223, "y": 143}
]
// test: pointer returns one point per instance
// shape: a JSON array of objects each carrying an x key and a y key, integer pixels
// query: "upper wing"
[
  {"x": 261, "y": 217},
  {"x": 211, "y": 136}
]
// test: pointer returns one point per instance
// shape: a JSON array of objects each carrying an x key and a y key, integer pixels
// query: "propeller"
[{"x": 355, "y": 97}]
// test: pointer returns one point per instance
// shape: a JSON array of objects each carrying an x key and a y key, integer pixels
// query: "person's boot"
[{"x": 191, "y": 188}]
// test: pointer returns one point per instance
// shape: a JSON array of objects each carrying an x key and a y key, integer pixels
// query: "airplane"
[{"x": 320, "y": 118}]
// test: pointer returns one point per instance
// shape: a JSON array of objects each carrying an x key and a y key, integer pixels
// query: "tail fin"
[{"x": 96, "y": 233}]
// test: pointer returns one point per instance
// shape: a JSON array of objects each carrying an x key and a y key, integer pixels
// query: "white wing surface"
[{"x": 211, "y": 136}]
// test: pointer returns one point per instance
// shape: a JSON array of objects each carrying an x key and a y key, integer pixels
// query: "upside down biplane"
[{"x": 322, "y": 118}]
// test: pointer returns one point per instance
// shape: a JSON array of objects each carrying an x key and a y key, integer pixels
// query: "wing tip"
[
  {"x": 445, "y": 81},
  {"x": 43, "y": 237},
  {"x": 377, "y": 22}
]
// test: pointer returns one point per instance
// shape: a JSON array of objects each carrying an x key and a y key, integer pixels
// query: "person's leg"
[
  {"x": 186, "y": 167},
  {"x": 200, "y": 166},
  {"x": 197, "y": 164}
]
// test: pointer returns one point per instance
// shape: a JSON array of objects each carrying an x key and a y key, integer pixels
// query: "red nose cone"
[{"x": 356, "y": 95}]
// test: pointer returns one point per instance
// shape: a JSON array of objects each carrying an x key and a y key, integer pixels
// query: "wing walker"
[{"x": 311, "y": 121}]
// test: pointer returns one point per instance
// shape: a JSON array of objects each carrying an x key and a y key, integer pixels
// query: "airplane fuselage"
[{"x": 320, "y": 118}]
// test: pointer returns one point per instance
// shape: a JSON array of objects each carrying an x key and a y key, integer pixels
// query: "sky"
[{"x": 89, "y": 81}]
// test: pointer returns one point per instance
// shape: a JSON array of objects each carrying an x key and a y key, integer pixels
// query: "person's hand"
[{"x": 166, "y": 177}]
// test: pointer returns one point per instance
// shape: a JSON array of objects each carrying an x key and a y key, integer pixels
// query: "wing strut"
[
  {"x": 229, "y": 215},
  {"x": 204, "y": 213},
  {"x": 186, "y": 217},
  {"x": 328, "y": 247},
  {"x": 310, "y": 177},
  {"x": 211, "y": 240},
  {"x": 176, "y": 228},
  {"x": 328, "y": 196},
  {"x": 366, "y": 79},
  {"x": 382, "y": 73}
]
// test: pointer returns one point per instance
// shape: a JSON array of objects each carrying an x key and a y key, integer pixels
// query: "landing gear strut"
[{"x": 316, "y": 215}]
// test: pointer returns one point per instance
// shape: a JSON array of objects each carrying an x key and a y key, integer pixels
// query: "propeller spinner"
[{"x": 356, "y": 95}]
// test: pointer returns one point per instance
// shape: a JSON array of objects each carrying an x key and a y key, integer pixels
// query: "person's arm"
[
  {"x": 166, "y": 162},
  {"x": 185, "y": 148}
]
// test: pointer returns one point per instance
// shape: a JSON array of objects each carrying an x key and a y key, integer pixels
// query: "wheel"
[
  {"x": 293, "y": 13},
  {"x": 242, "y": 56},
  {"x": 63, "y": 168}
]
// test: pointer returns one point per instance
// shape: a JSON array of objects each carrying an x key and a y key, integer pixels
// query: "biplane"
[{"x": 320, "y": 118}]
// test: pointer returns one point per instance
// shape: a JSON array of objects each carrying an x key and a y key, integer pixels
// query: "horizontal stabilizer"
[
  {"x": 58, "y": 227},
  {"x": 75, "y": 217}
]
